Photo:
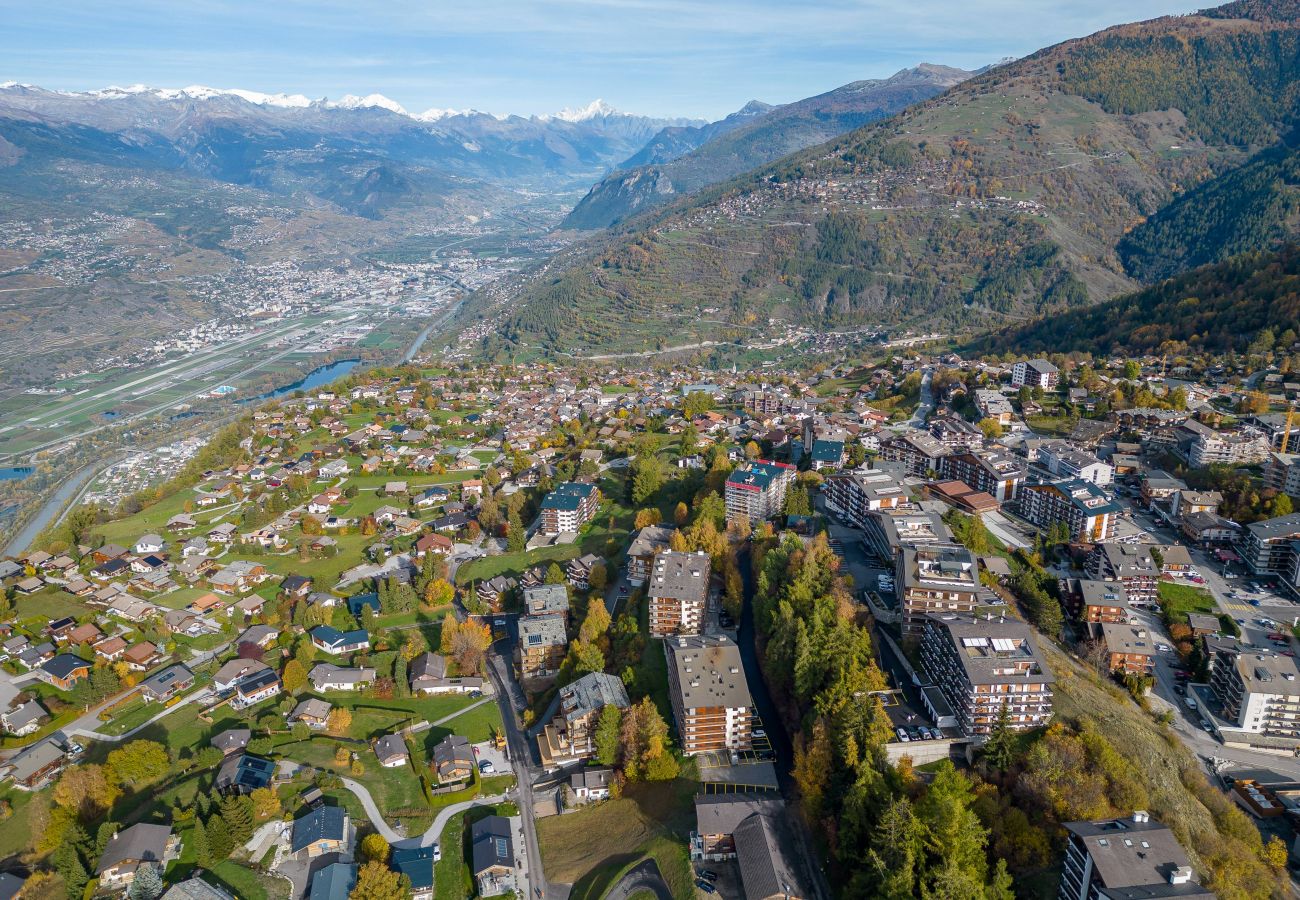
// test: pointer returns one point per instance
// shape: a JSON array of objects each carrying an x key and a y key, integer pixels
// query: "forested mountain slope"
[
  {"x": 1215, "y": 309},
  {"x": 1000, "y": 200}
]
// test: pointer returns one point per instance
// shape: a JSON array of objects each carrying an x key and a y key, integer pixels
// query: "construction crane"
[{"x": 1290, "y": 418}]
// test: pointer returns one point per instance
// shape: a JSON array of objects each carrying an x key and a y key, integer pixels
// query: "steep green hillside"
[
  {"x": 1250, "y": 208},
  {"x": 1214, "y": 309},
  {"x": 998, "y": 201}
]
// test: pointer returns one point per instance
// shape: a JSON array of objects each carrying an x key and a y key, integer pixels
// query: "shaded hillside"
[
  {"x": 733, "y": 147},
  {"x": 1250, "y": 208},
  {"x": 1215, "y": 309},
  {"x": 1000, "y": 200}
]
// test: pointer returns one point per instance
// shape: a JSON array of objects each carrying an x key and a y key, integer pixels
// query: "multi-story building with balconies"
[
  {"x": 985, "y": 664},
  {"x": 756, "y": 491},
  {"x": 936, "y": 578},
  {"x": 679, "y": 592},
  {"x": 709, "y": 693}
]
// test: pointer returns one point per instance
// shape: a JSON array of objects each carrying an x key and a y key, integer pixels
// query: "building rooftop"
[
  {"x": 709, "y": 672},
  {"x": 1268, "y": 673},
  {"x": 1134, "y": 640},
  {"x": 1137, "y": 853},
  {"x": 756, "y": 476},
  {"x": 592, "y": 692},
  {"x": 680, "y": 576},
  {"x": 546, "y": 599},
  {"x": 994, "y": 650}
]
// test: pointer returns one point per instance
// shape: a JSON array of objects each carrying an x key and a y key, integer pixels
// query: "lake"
[{"x": 315, "y": 378}]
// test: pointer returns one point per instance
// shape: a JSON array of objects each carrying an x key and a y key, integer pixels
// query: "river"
[{"x": 19, "y": 543}]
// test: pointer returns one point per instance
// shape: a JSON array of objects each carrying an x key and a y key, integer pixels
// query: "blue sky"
[{"x": 664, "y": 57}]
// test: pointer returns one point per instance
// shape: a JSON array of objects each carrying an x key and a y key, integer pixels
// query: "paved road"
[
  {"x": 512, "y": 701},
  {"x": 926, "y": 404},
  {"x": 644, "y": 877}
]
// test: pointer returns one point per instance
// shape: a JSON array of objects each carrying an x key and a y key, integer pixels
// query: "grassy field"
[
  {"x": 478, "y": 724},
  {"x": 1177, "y": 600},
  {"x": 591, "y": 848}
]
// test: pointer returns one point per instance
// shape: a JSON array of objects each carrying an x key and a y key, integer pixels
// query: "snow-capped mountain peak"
[
  {"x": 352, "y": 101},
  {"x": 198, "y": 92},
  {"x": 594, "y": 110}
]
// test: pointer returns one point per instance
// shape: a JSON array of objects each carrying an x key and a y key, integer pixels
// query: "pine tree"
[
  {"x": 219, "y": 842},
  {"x": 608, "y": 728},
  {"x": 1000, "y": 748},
  {"x": 68, "y": 864},
  {"x": 202, "y": 849},
  {"x": 237, "y": 811},
  {"x": 147, "y": 884}
]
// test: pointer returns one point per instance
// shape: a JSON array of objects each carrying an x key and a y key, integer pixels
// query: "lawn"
[
  {"x": 477, "y": 724},
  {"x": 49, "y": 604},
  {"x": 1177, "y": 600},
  {"x": 514, "y": 563},
  {"x": 591, "y": 848},
  {"x": 247, "y": 884}
]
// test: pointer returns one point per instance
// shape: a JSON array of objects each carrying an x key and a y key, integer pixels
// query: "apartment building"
[
  {"x": 571, "y": 735},
  {"x": 994, "y": 405},
  {"x": 935, "y": 578},
  {"x": 886, "y": 533},
  {"x": 1035, "y": 373},
  {"x": 826, "y": 454},
  {"x": 1132, "y": 565},
  {"x": 1095, "y": 602},
  {"x": 982, "y": 664},
  {"x": 1269, "y": 546},
  {"x": 756, "y": 491},
  {"x": 1130, "y": 649},
  {"x": 709, "y": 693},
  {"x": 542, "y": 645},
  {"x": 1260, "y": 690},
  {"x": 956, "y": 433},
  {"x": 1132, "y": 857},
  {"x": 679, "y": 592},
  {"x": 994, "y": 473},
  {"x": 1211, "y": 447},
  {"x": 570, "y": 506},
  {"x": 856, "y": 494},
  {"x": 1282, "y": 472},
  {"x": 646, "y": 545},
  {"x": 918, "y": 451},
  {"x": 1083, "y": 506},
  {"x": 1066, "y": 462}
]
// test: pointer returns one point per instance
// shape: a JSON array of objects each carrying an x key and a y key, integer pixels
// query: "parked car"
[
  {"x": 707, "y": 875},
  {"x": 705, "y": 886},
  {"x": 760, "y": 733},
  {"x": 485, "y": 767},
  {"x": 902, "y": 735}
]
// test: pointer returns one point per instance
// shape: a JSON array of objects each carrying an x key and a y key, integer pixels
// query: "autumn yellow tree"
[
  {"x": 338, "y": 721},
  {"x": 465, "y": 643}
]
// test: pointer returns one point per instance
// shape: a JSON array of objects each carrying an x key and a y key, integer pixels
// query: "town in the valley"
[{"x": 538, "y": 631}]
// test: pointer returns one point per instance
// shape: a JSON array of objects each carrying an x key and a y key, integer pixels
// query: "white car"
[{"x": 486, "y": 768}]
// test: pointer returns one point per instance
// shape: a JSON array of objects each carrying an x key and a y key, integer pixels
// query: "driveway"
[
  {"x": 644, "y": 877},
  {"x": 372, "y": 810}
]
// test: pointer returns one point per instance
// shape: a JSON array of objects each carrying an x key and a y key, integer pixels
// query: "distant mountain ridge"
[
  {"x": 1006, "y": 198},
  {"x": 216, "y": 132},
  {"x": 680, "y": 161}
]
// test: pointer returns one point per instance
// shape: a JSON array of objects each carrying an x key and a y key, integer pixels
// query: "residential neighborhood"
[{"x": 446, "y": 629}]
